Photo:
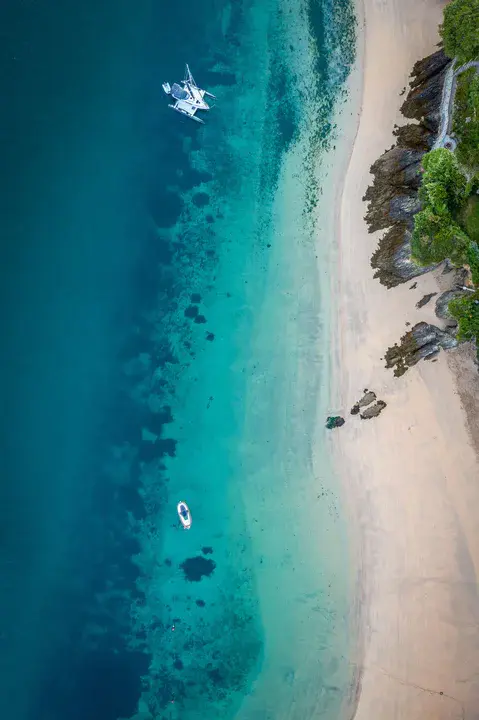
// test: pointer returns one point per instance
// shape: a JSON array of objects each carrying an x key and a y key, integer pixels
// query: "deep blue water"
[{"x": 93, "y": 163}]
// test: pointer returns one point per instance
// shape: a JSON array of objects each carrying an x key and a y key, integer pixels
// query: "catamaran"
[
  {"x": 184, "y": 514},
  {"x": 189, "y": 98}
]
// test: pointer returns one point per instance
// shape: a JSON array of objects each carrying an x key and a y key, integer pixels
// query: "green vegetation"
[
  {"x": 437, "y": 234},
  {"x": 473, "y": 261},
  {"x": 471, "y": 218},
  {"x": 448, "y": 224},
  {"x": 444, "y": 184},
  {"x": 466, "y": 312},
  {"x": 466, "y": 118},
  {"x": 460, "y": 30}
]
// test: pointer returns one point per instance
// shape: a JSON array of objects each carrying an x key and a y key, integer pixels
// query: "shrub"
[
  {"x": 443, "y": 185},
  {"x": 437, "y": 237},
  {"x": 466, "y": 312},
  {"x": 473, "y": 261},
  {"x": 436, "y": 234},
  {"x": 466, "y": 118},
  {"x": 460, "y": 30}
]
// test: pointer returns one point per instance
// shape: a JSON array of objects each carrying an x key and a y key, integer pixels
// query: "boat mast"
[{"x": 189, "y": 77}]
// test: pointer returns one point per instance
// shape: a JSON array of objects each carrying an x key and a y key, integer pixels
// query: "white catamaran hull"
[
  {"x": 188, "y": 114},
  {"x": 189, "y": 98}
]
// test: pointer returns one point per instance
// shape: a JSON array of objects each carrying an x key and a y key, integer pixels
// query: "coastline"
[{"x": 410, "y": 475}]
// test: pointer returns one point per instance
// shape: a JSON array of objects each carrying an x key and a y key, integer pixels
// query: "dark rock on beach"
[
  {"x": 422, "y": 342},
  {"x": 368, "y": 397},
  {"x": 334, "y": 421},
  {"x": 373, "y": 410},
  {"x": 424, "y": 300}
]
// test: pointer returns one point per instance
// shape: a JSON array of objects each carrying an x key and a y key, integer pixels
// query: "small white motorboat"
[
  {"x": 184, "y": 514},
  {"x": 189, "y": 98}
]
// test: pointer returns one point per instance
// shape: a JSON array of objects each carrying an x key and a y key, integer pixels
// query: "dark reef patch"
[
  {"x": 164, "y": 207},
  {"x": 192, "y": 178},
  {"x": 207, "y": 550},
  {"x": 200, "y": 319},
  {"x": 195, "y": 298},
  {"x": 197, "y": 568},
  {"x": 200, "y": 199},
  {"x": 162, "y": 447},
  {"x": 191, "y": 311}
]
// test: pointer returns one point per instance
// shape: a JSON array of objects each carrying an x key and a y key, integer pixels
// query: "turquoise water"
[
  {"x": 262, "y": 633},
  {"x": 167, "y": 316}
]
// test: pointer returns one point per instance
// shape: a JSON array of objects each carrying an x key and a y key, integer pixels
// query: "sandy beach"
[{"x": 411, "y": 476}]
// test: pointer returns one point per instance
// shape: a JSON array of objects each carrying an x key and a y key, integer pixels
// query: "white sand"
[{"x": 411, "y": 475}]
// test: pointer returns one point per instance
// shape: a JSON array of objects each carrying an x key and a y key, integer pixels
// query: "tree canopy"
[
  {"x": 460, "y": 30},
  {"x": 466, "y": 312},
  {"x": 466, "y": 118},
  {"x": 443, "y": 186},
  {"x": 437, "y": 237},
  {"x": 436, "y": 234}
]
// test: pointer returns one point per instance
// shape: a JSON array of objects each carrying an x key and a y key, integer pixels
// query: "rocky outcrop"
[
  {"x": 392, "y": 258},
  {"x": 368, "y": 397},
  {"x": 423, "y": 342},
  {"x": 423, "y": 102},
  {"x": 424, "y": 300},
  {"x": 393, "y": 196},
  {"x": 373, "y": 410},
  {"x": 334, "y": 421},
  {"x": 457, "y": 281}
]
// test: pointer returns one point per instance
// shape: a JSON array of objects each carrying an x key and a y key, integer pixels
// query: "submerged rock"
[
  {"x": 368, "y": 397},
  {"x": 196, "y": 568},
  {"x": 373, "y": 410},
  {"x": 422, "y": 342},
  {"x": 334, "y": 422}
]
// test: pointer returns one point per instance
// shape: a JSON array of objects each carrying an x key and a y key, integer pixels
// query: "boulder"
[
  {"x": 334, "y": 421},
  {"x": 368, "y": 397},
  {"x": 373, "y": 410},
  {"x": 425, "y": 299}
]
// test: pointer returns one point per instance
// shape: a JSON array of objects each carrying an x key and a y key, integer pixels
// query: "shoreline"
[{"x": 409, "y": 476}]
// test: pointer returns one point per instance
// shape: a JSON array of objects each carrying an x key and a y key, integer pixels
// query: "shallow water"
[{"x": 174, "y": 328}]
